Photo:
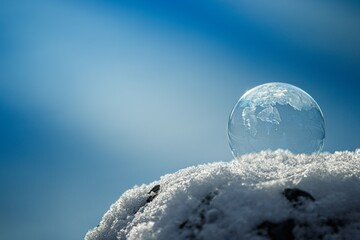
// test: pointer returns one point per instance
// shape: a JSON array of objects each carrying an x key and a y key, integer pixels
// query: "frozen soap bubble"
[{"x": 276, "y": 116}]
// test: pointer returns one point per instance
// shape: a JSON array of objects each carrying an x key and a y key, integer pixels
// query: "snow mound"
[{"x": 268, "y": 195}]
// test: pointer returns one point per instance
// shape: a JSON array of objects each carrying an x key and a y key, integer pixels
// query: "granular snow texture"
[{"x": 268, "y": 195}]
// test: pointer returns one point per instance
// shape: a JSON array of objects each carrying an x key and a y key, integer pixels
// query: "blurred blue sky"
[{"x": 97, "y": 96}]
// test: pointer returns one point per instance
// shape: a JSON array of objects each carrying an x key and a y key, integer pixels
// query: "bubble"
[{"x": 276, "y": 116}]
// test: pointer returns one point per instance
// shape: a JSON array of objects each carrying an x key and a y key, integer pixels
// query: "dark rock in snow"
[
  {"x": 297, "y": 196},
  {"x": 202, "y": 215},
  {"x": 277, "y": 231},
  {"x": 153, "y": 193},
  {"x": 334, "y": 224}
]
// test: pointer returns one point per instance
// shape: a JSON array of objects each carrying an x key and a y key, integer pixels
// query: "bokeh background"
[{"x": 97, "y": 96}]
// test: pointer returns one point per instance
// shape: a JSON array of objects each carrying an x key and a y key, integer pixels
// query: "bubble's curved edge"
[{"x": 233, "y": 151}]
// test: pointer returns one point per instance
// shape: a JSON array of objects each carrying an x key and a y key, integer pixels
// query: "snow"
[{"x": 244, "y": 199}]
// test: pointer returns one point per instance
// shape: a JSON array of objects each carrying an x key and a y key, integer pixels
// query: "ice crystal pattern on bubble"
[{"x": 273, "y": 116}]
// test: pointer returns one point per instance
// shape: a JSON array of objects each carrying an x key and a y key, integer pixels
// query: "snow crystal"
[
  {"x": 270, "y": 114},
  {"x": 252, "y": 197},
  {"x": 271, "y": 94}
]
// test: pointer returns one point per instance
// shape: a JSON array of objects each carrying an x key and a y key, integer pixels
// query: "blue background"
[{"x": 97, "y": 96}]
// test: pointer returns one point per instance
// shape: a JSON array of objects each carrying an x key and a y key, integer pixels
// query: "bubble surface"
[{"x": 276, "y": 116}]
